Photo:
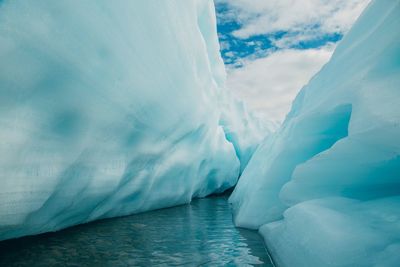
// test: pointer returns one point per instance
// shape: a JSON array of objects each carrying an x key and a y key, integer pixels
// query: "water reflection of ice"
[{"x": 201, "y": 233}]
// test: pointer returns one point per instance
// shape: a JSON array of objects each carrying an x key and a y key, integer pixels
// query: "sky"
[{"x": 272, "y": 48}]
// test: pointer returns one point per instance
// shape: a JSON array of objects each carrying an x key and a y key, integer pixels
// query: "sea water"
[{"x": 197, "y": 234}]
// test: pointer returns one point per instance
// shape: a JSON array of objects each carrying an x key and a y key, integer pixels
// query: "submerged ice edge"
[{"x": 109, "y": 109}]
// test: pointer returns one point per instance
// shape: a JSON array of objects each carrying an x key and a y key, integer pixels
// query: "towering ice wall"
[
  {"x": 109, "y": 108},
  {"x": 325, "y": 189}
]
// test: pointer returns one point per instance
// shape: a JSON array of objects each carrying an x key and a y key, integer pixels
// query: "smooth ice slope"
[
  {"x": 326, "y": 187},
  {"x": 109, "y": 108}
]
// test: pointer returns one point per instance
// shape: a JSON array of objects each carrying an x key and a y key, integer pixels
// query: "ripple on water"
[{"x": 199, "y": 234}]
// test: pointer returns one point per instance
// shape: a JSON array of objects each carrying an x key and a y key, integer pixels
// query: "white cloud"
[
  {"x": 268, "y": 85},
  {"x": 310, "y": 18},
  {"x": 224, "y": 45}
]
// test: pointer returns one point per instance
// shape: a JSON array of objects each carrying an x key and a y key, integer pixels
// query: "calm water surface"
[{"x": 199, "y": 234}]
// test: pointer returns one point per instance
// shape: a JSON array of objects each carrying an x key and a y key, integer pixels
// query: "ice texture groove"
[
  {"x": 109, "y": 108},
  {"x": 324, "y": 190}
]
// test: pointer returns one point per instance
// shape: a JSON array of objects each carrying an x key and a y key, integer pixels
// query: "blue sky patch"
[{"x": 234, "y": 49}]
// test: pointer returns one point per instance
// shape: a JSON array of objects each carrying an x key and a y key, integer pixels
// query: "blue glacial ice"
[
  {"x": 324, "y": 190},
  {"x": 109, "y": 108}
]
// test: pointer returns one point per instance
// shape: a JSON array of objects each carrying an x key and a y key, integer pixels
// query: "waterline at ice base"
[{"x": 112, "y": 108}]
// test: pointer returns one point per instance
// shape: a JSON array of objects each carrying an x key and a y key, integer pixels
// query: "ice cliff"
[
  {"x": 109, "y": 108},
  {"x": 325, "y": 189}
]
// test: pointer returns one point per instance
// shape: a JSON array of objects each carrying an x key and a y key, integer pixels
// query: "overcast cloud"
[{"x": 268, "y": 85}]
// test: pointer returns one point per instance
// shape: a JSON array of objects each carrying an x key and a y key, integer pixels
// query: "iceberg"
[
  {"x": 109, "y": 108},
  {"x": 324, "y": 190}
]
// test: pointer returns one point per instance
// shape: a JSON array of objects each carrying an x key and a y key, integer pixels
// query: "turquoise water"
[{"x": 199, "y": 234}]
